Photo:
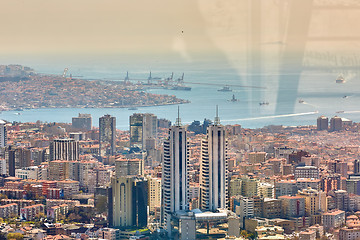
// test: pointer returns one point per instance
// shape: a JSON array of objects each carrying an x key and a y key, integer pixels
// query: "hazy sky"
[
  {"x": 159, "y": 27},
  {"x": 34, "y": 26}
]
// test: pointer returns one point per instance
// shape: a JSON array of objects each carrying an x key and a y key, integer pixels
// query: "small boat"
[
  {"x": 301, "y": 101},
  {"x": 340, "y": 79},
  {"x": 340, "y": 111},
  {"x": 132, "y": 108},
  {"x": 233, "y": 99},
  {"x": 225, "y": 89},
  {"x": 345, "y": 96},
  {"x": 263, "y": 103}
]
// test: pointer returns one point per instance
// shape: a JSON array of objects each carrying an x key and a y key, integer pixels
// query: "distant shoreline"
[
  {"x": 29, "y": 90},
  {"x": 82, "y": 107}
]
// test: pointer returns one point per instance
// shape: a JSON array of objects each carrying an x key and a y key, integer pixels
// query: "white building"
[
  {"x": 3, "y": 169},
  {"x": 306, "y": 172},
  {"x": 214, "y": 169},
  {"x": 27, "y": 173},
  {"x": 333, "y": 219},
  {"x": 245, "y": 209},
  {"x": 64, "y": 149},
  {"x": 3, "y": 134},
  {"x": 154, "y": 193},
  {"x": 175, "y": 182},
  {"x": 266, "y": 190}
]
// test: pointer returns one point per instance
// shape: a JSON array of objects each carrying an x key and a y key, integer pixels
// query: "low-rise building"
[
  {"x": 9, "y": 210},
  {"x": 307, "y": 235},
  {"x": 30, "y": 212},
  {"x": 349, "y": 233},
  {"x": 333, "y": 219},
  {"x": 56, "y": 212}
]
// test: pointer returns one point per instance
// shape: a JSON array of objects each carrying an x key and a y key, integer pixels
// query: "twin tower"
[{"x": 213, "y": 176}]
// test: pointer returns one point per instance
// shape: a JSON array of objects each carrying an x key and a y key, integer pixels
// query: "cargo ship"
[
  {"x": 225, "y": 89},
  {"x": 180, "y": 87}
]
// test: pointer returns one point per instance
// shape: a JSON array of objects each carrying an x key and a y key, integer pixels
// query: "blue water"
[{"x": 321, "y": 94}]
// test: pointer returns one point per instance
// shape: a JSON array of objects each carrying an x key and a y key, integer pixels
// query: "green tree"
[{"x": 17, "y": 236}]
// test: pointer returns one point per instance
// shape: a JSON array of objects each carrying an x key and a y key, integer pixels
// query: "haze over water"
[{"x": 318, "y": 90}]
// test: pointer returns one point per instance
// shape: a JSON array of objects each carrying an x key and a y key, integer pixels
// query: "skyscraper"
[
  {"x": 214, "y": 169},
  {"x": 322, "y": 123},
  {"x": 142, "y": 127},
  {"x": 3, "y": 134},
  {"x": 107, "y": 135},
  {"x": 83, "y": 121},
  {"x": 336, "y": 124},
  {"x": 16, "y": 158},
  {"x": 64, "y": 149},
  {"x": 129, "y": 199},
  {"x": 175, "y": 167}
]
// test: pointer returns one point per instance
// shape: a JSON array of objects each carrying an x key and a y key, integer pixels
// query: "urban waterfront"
[{"x": 318, "y": 91}]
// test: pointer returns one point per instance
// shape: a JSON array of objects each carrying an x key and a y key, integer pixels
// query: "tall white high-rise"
[
  {"x": 3, "y": 135},
  {"x": 214, "y": 169},
  {"x": 175, "y": 167}
]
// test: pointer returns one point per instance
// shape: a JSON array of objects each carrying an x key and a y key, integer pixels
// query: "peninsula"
[{"x": 22, "y": 88}]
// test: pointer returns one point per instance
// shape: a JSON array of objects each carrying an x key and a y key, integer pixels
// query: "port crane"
[{"x": 169, "y": 80}]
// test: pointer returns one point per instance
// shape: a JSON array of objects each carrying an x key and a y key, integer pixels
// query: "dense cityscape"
[
  {"x": 21, "y": 88},
  {"x": 160, "y": 180},
  {"x": 180, "y": 120}
]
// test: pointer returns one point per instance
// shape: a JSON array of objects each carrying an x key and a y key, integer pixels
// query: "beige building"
[
  {"x": 307, "y": 235},
  {"x": 257, "y": 157},
  {"x": 129, "y": 167},
  {"x": 266, "y": 190},
  {"x": 271, "y": 208},
  {"x": 154, "y": 193},
  {"x": 312, "y": 201},
  {"x": 235, "y": 187},
  {"x": 109, "y": 233},
  {"x": 129, "y": 201},
  {"x": 62, "y": 170},
  {"x": 249, "y": 187}
]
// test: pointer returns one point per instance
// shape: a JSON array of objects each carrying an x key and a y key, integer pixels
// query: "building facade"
[
  {"x": 175, "y": 179},
  {"x": 64, "y": 149},
  {"x": 142, "y": 127},
  {"x": 129, "y": 199},
  {"x": 83, "y": 121},
  {"x": 214, "y": 169},
  {"x": 107, "y": 135}
]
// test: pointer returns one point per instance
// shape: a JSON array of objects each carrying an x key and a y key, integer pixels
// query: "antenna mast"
[
  {"x": 217, "y": 119},
  {"x": 178, "y": 120}
]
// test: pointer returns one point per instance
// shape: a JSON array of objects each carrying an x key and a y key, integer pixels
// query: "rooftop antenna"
[
  {"x": 178, "y": 120},
  {"x": 217, "y": 119}
]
